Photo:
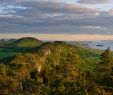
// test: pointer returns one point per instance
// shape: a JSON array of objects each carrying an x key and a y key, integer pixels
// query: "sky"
[{"x": 57, "y": 19}]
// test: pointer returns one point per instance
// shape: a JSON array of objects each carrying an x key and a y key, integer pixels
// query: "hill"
[
  {"x": 26, "y": 42},
  {"x": 9, "y": 47}
]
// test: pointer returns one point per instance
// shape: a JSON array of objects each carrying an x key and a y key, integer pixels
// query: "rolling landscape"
[{"x": 29, "y": 66}]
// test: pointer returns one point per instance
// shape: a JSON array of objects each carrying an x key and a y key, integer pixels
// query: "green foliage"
[
  {"x": 56, "y": 68},
  {"x": 24, "y": 58},
  {"x": 3, "y": 70},
  {"x": 107, "y": 58}
]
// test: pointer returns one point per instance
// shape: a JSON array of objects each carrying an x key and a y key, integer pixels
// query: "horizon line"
[{"x": 58, "y": 37}]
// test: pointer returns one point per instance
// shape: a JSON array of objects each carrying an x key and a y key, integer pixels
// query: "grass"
[
  {"x": 6, "y": 54},
  {"x": 90, "y": 58},
  {"x": 89, "y": 53},
  {"x": 28, "y": 44}
]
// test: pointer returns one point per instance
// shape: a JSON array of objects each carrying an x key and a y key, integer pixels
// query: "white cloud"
[
  {"x": 94, "y": 27},
  {"x": 7, "y": 10},
  {"x": 15, "y": 7}
]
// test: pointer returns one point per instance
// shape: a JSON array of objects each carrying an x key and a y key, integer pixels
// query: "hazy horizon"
[{"x": 60, "y": 37}]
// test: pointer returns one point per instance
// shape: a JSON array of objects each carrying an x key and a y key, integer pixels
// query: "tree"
[
  {"x": 104, "y": 76},
  {"x": 106, "y": 57}
]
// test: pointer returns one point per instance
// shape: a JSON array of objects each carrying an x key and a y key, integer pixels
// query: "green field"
[{"x": 6, "y": 54}]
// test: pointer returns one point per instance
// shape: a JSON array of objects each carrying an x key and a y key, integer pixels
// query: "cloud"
[
  {"x": 49, "y": 16},
  {"x": 10, "y": 10},
  {"x": 95, "y": 1},
  {"x": 92, "y": 27},
  {"x": 34, "y": 13}
]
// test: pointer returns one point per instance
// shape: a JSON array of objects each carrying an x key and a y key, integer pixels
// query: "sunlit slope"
[{"x": 26, "y": 42}]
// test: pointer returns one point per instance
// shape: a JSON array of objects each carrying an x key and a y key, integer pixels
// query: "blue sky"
[{"x": 55, "y": 17}]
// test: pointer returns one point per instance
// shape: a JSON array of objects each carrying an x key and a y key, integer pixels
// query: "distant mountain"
[{"x": 26, "y": 42}]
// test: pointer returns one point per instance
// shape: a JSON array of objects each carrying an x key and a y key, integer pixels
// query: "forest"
[{"x": 29, "y": 66}]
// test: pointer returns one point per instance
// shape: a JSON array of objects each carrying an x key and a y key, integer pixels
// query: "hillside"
[
  {"x": 26, "y": 42},
  {"x": 57, "y": 68},
  {"x": 9, "y": 47}
]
